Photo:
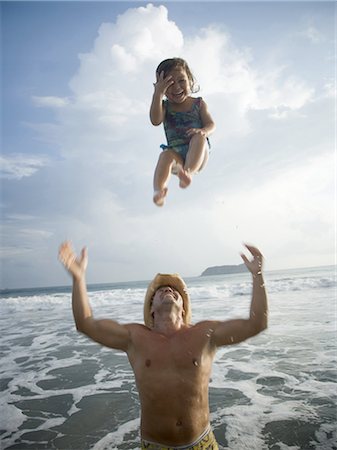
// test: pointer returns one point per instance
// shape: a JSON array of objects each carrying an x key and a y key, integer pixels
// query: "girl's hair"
[{"x": 172, "y": 63}]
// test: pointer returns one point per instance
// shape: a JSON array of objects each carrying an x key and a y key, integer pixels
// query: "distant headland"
[{"x": 222, "y": 270}]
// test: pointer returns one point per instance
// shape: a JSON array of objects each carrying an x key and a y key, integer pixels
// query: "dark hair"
[{"x": 172, "y": 63}]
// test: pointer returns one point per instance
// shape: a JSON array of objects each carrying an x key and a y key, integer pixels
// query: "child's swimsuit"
[
  {"x": 176, "y": 123},
  {"x": 205, "y": 442}
]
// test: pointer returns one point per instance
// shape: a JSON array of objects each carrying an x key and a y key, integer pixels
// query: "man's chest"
[{"x": 184, "y": 352}]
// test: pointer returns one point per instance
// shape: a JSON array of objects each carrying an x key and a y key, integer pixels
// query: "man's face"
[{"x": 166, "y": 297}]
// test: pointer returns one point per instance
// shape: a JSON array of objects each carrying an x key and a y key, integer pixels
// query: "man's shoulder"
[
  {"x": 202, "y": 326},
  {"x": 136, "y": 327},
  {"x": 204, "y": 323}
]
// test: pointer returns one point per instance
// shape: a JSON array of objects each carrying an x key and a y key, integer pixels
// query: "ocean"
[{"x": 276, "y": 391}]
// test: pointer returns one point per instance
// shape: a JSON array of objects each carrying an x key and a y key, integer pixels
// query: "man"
[{"x": 171, "y": 358}]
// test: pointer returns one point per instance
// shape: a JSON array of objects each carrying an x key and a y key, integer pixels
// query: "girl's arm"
[
  {"x": 157, "y": 112},
  {"x": 208, "y": 125}
]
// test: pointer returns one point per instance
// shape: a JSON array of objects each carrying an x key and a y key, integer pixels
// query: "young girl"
[{"x": 187, "y": 125}]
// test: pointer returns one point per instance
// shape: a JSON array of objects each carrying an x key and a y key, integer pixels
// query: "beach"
[{"x": 277, "y": 391}]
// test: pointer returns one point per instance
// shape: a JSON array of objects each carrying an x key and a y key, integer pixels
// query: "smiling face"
[
  {"x": 180, "y": 88},
  {"x": 179, "y": 289},
  {"x": 167, "y": 298}
]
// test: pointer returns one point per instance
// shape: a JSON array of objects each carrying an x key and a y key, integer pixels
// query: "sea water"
[{"x": 277, "y": 391}]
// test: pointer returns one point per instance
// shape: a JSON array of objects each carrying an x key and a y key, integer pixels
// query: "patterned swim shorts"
[{"x": 205, "y": 442}]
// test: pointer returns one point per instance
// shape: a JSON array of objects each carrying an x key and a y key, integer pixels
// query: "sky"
[{"x": 78, "y": 151}]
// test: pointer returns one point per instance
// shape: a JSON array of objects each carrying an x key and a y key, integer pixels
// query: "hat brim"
[{"x": 175, "y": 281}]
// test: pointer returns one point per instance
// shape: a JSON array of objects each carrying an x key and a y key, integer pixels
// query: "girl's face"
[{"x": 180, "y": 88}]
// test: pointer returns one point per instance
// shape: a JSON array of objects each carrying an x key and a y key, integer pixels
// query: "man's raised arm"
[
  {"x": 104, "y": 331},
  {"x": 237, "y": 330}
]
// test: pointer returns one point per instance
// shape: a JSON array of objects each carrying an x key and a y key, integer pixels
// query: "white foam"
[
  {"x": 287, "y": 447},
  {"x": 11, "y": 418},
  {"x": 298, "y": 345},
  {"x": 112, "y": 440},
  {"x": 326, "y": 437}
]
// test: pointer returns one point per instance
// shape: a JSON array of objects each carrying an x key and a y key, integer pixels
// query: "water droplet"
[
  {"x": 195, "y": 362},
  {"x": 209, "y": 332},
  {"x": 232, "y": 339}
]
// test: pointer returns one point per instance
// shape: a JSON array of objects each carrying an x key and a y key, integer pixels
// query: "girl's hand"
[
  {"x": 162, "y": 83},
  {"x": 75, "y": 266},
  {"x": 255, "y": 265},
  {"x": 192, "y": 131}
]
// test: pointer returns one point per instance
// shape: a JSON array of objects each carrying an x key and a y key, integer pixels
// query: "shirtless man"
[{"x": 171, "y": 358}]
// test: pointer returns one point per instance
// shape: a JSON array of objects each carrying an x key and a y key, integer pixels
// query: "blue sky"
[{"x": 78, "y": 150}]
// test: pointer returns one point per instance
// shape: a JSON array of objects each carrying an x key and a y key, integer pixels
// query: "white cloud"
[
  {"x": 12, "y": 252},
  {"x": 312, "y": 34},
  {"x": 16, "y": 167},
  {"x": 329, "y": 89},
  {"x": 226, "y": 71},
  {"x": 106, "y": 125},
  {"x": 286, "y": 215},
  {"x": 35, "y": 233},
  {"x": 139, "y": 38},
  {"x": 261, "y": 187},
  {"x": 282, "y": 96},
  {"x": 23, "y": 234},
  {"x": 289, "y": 216},
  {"x": 50, "y": 101},
  {"x": 108, "y": 110},
  {"x": 19, "y": 217}
]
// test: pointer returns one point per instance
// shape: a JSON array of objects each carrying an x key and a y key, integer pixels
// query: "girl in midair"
[{"x": 187, "y": 125}]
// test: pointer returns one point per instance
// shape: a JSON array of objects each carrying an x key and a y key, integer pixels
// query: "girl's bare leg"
[
  {"x": 162, "y": 175},
  {"x": 196, "y": 158}
]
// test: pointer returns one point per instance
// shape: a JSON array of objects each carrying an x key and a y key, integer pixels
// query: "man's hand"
[
  {"x": 75, "y": 266},
  {"x": 255, "y": 265}
]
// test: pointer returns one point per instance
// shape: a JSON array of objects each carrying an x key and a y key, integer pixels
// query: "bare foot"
[
  {"x": 185, "y": 178},
  {"x": 159, "y": 197}
]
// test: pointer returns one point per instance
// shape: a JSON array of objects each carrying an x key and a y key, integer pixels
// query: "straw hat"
[{"x": 174, "y": 281}]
